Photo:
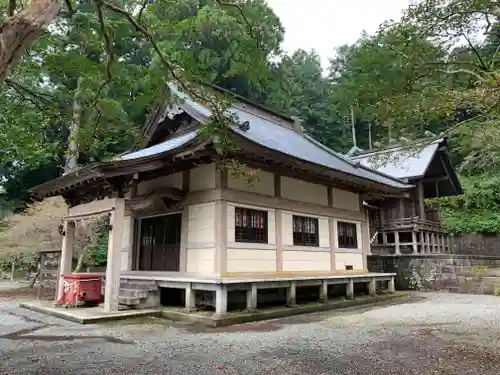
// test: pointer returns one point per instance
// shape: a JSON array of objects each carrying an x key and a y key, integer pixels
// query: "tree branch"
[
  {"x": 108, "y": 46},
  {"x": 464, "y": 122},
  {"x": 142, "y": 30},
  {"x": 476, "y": 52},
  {"x": 245, "y": 19},
  {"x": 466, "y": 71},
  {"x": 23, "y": 89},
  {"x": 144, "y": 4},
  {"x": 456, "y": 13}
]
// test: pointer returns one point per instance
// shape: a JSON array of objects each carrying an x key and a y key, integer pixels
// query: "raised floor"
[{"x": 219, "y": 287}]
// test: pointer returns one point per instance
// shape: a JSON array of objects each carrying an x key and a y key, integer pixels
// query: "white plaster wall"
[
  {"x": 303, "y": 191},
  {"x": 202, "y": 178},
  {"x": 345, "y": 200},
  {"x": 200, "y": 253},
  {"x": 348, "y": 259},
  {"x": 251, "y": 260},
  {"x": 171, "y": 180},
  {"x": 200, "y": 261},
  {"x": 306, "y": 260},
  {"x": 201, "y": 228},
  {"x": 264, "y": 184},
  {"x": 271, "y": 224}
]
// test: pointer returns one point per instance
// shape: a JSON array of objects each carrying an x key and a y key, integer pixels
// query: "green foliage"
[
  {"x": 98, "y": 254},
  {"x": 496, "y": 292},
  {"x": 477, "y": 210},
  {"x": 24, "y": 261}
]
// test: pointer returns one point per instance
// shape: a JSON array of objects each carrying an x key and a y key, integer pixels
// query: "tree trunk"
[
  {"x": 74, "y": 129},
  {"x": 18, "y": 32},
  {"x": 79, "y": 264}
]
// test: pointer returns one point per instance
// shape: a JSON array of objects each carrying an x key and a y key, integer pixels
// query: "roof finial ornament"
[
  {"x": 297, "y": 124},
  {"x": 245, "y": 126}
]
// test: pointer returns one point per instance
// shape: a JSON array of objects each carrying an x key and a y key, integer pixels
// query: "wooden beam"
[{"x": 421, "y": 200}]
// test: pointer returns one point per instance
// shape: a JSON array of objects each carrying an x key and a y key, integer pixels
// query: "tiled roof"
[
  {"x": 277, "y": 134},
  {"x": 168, "y": 145},
  {"x": 401, "y": 162}
]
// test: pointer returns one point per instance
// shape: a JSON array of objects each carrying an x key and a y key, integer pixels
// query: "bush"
[{"x": 98, "y": 254}]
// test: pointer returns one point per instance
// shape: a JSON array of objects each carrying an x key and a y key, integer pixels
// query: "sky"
[{"x": 323, "y": 25}]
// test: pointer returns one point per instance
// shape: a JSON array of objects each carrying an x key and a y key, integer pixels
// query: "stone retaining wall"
[
  {"x": 476, "y": 244},
  {"x": 449, "y": 272}
]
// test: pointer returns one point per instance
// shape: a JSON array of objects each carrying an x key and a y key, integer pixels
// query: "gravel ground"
[{"x": 436, "y": 334}]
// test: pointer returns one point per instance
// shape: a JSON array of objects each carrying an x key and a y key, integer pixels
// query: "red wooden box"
[{"x": 81, "y": 288}]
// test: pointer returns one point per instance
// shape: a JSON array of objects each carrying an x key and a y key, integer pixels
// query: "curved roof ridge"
[{"x": 348, "y": 160}]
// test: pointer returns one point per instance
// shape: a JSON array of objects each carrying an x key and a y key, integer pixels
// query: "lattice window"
[
  {"x": 348, "y": 236},
  {"x": 250, "y": 225},
  {"x": 305, "y": 231}
]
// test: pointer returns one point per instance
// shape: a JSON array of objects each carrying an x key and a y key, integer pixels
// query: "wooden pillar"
[
  {"x": 421, "y": 202},
  {"x": 291, "y": 294},
  {"x": 252, "y": 298},
  {"x": 415, "y": 243},
  {"x": 396, "y": 243},
  {"x": 333, "y": 242},
  {"x": 372, "y": 288},
  {"x": 112, "y": 289},
  {"x": 443, "y": 245},
  {"x": 349, "y": 292},
  {"x": 190, "y": 298},
  {"x": 65, "y": 262},
  {"x": 402, "y": 213},
  {"x": 392, "y": 285},
  {"x": 221, "y": 300},
  {"x": 220, "y": 224},
  {"x": 278, "y": 225},
  {"x": 323, "y": 291}
]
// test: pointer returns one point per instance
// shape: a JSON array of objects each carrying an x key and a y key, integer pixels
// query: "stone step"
[
  {"x": 134, "y": 293},
  {"x": 128, "y": 301},
  {"x": 139, "y": 285}
]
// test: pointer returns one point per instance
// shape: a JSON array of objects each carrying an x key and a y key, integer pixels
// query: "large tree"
[{"x": 84, "y": 88}]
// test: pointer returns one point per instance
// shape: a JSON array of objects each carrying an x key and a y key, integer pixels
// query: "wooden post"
[
  {"x": 278, "y": 219},
  {"x": 221, "y": 300},
  {"x": 113, "y": 267},
  {"x": 323, "y": 291},
  {"x": 350, "y": 289},
  {"x": 421, "y": 202},
  {"x": 402, "y": 208},
  {"x": 252, "y": 298},
  {"x": 190, "y": 300},
  {"x": 396, "y": 243},
  {"x": 415, "y": 244},
  {"x": 392, "y": 285},
  {"x": 333, "y": 242},
  {"x": 372, "y": 288},
  {"x": 66, "y": 255},
  {"x": 291, "y": 294}
]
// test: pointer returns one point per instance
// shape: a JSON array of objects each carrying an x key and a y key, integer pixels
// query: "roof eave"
[{"x": 98, "y": 171}]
